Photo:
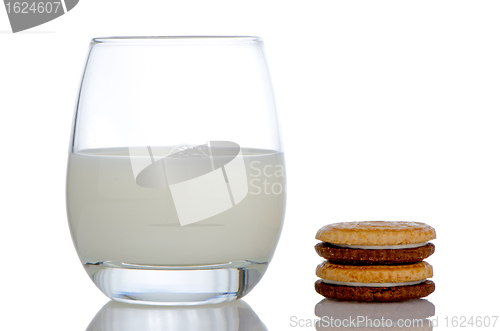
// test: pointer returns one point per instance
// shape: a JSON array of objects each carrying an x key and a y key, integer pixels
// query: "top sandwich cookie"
[
  {"x": 376, "y": 233},
  {"x": 375, "y": 242}
]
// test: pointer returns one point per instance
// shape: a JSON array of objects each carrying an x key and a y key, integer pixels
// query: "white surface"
[{"x": 389, "y": 109}]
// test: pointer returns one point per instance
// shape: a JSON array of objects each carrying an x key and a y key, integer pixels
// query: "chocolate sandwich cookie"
[
  {"x": 380, "y": 283},
  {"x": 375, "y": 242},
  {"x": 375, "y": 294}
]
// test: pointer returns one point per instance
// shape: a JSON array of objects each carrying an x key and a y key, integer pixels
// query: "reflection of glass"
[
  {"x": 176, "y": 182},
  {"x": 384, "y": 316},
  {"x": 232, "y": 316}
]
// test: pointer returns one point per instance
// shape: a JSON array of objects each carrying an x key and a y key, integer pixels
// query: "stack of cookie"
[{"x": 375, "y": 261}]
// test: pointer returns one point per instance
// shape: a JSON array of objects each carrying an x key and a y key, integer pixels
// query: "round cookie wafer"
[
  {"x": 374, "y": 273},
  {"x": 376, "y": 233},
  {"x": 374, "y": 294},
  {"x": 359, "y": 256}
]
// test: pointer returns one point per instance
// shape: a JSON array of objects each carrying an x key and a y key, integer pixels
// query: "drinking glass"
[{"x": 176, "y": 184}]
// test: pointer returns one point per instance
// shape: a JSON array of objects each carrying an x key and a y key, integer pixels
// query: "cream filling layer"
[
  {"x": 383, "y": 247},
  {"x": 334, "y": 282}
]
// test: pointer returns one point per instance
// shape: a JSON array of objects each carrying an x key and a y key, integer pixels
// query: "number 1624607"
[
  {"x": 40, "y": 7},
  {"x": 470, "y": 321}
]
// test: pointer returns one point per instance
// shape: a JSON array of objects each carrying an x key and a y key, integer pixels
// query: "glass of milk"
[{"x": 176, "y": 183}]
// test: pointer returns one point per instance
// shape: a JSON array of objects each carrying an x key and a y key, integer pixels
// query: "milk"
[{"x": 123, "y": 208}]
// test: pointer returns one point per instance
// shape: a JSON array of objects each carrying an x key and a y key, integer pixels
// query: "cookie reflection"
[
  {"x": 233, "y": 316},
  {"x": 343, "y": 315}
]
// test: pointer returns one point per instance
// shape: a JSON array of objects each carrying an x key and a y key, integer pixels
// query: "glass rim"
[{"x": 165, "y": 40}]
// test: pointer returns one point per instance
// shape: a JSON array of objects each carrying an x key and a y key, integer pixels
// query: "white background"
[{"x": 390, "y": 110}]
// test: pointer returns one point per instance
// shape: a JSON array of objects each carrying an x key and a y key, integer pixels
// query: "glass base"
[{"x": 175, "y": 285}]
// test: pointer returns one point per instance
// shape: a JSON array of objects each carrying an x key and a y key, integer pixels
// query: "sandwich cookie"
[
  {"x": 375, "y": 242},
  {"x": 380, "y": 283}
]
